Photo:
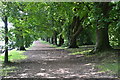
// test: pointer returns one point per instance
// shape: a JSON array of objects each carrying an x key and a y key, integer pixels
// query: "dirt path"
[{"x": 47, "y": 62}]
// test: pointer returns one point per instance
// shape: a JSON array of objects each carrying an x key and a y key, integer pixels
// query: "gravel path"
[{"x": 47, "y": 62}]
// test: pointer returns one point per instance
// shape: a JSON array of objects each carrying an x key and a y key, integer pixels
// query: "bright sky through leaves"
[{"x": 60, "y": 0}]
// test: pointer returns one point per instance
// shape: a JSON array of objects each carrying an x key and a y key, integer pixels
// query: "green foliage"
[{"x": 34, "y": 20}]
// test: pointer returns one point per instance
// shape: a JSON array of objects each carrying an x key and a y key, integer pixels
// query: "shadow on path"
[{"x": 48, "y": 63}]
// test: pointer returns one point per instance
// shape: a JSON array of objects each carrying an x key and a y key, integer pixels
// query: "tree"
[
  {"x": 5, "y": 20},
  {"x": 70, "y": 21},
  {"x": 102, "y": 19},
  {"x": 75, "y": 29},
  {"x": 114, "y": 27}
]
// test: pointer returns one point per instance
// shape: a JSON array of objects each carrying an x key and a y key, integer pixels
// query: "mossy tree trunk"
[{"x": 102, "y": 38}]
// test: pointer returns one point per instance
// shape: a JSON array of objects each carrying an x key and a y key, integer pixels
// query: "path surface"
[{"x": 47, "y": 62}]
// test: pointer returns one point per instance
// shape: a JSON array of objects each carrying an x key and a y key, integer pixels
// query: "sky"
[{"x": 2, "y": 24}]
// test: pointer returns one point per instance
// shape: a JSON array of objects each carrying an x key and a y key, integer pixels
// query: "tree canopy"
[{"x": 62, "y": 23}]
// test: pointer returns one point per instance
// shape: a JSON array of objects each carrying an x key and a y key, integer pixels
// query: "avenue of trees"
[{"x": 70, "y": 24}]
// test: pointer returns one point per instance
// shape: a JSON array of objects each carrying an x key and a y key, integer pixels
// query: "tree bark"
[
  {"x": 73, "y": 43},
  {"x": 52, "y": 40},
  {"x": 5, "y": 19},
  {"x": 55, "y": 38},
  {"x": 22, "y": 42},
  {"x": 22, "y": 48},
  {"x": 102, "y": 40},
  {"x": 47, "y": 39},
  {"x": 75, "y": 29},
  {"x": 61, "y": 40},
  {"x": 119, "y": 40}
]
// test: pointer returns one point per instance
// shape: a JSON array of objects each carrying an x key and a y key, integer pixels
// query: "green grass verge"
[
  {"x": 110, "y": 67},
  {"x": 81, "y": 52},
  {"x": 7, "y": 69},
  {"x": 14, "y": 55},
  {"x": 107, "y": 61}
]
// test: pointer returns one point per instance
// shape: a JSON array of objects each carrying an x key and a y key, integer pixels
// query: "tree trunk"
[
  {"x": 22, "y": 48},
  {"x": 119, "y": 40},
  {"x": 52, "y": 40},
  {"x": 102, "y": 40},
  {"x": 5, "y": 18},
  {"x": 22, "y": 42},
  {"x": 61, "y": 40},
  {"x": 47, "y": 39},
  {"x": 75, "y": 29},
  {"x": 73, "y": 43},
  {"x": 55, "y": 38},
  {"x": 43, "y": 39}
]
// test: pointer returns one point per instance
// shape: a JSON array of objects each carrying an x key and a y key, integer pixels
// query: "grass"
[
  {"x": 110, "y": 67},
  {"x": 59, "y": 47},
  {"x": 109, "y": 62},
  {"x": 80, "y": 52},
  {"x": 106, "y": 62},
  {"x": 14, "y": 55},
  {"x": 7, "y": 69},
  {"x": 85, "y": 49}
]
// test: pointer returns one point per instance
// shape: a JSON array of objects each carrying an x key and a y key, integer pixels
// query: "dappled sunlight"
[
  {"x": 86, "y": 70},
  {"x": 50, "y": 59},
  {"x": 42, "y": 74},
  {"x": 56, "y": 64},
  {"x": 59, "y": 39},
  {"x": 88, "y": 64},
  {"x": 110, "y": 67},
  {"x": 78, "y": 75},
  {"x": 61, "y": 71},
  {"x": 23, "y": 75},
  {"x": 25, "y": 70},
  {"x": 81, "y": 52},
  {"x": 6, "y": 70}
]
